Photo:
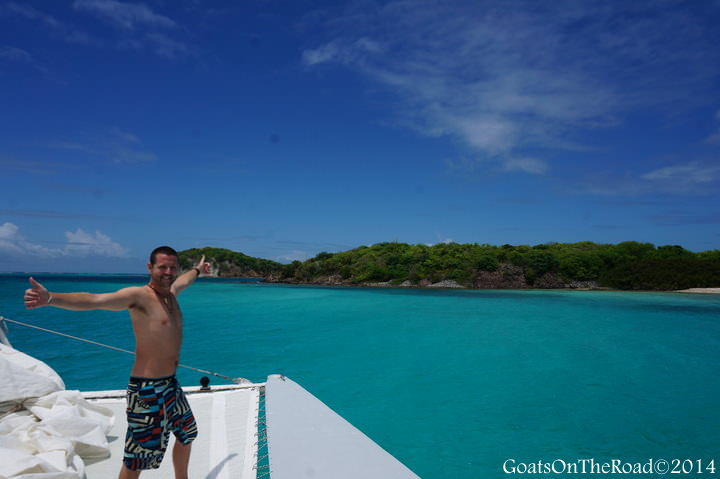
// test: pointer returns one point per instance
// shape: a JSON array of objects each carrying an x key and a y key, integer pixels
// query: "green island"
[{"x": 586, "y": 265}]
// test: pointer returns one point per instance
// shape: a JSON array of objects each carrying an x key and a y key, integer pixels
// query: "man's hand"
[
  {"x": 36, "y": 296},
  {"x": 202, "y": 266},
  {"x": 187, "y": 278}
]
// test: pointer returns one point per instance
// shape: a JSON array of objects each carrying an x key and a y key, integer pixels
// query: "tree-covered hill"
[
  {"x": 629, "y": 265},
  {"x": 230, "y": 264}
]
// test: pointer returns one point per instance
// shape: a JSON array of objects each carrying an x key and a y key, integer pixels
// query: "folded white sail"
[{"x": 45, "y": 430}]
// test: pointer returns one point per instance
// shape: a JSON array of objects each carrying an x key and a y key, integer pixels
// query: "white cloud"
[
  {"x": 9, "y": 238},
  {"x": 166, "y": 46},
  {"x": 81, "y": 38},
  {"x": 79, "y": 244},
  {"x": 525, "y": 165},
  {"x": 336, "y": 51},
  {"x": 715, "y": 137},
  {"x": 692, "y": 178},
  {"x": 15, "y": 54},
  {"x": 295, "y": 255},
  {"x": 124, "y": 15},
  {"x": 441, "y": 239},
  {"x": 138, "y": 28},
  {"x": 685, "y": 175},
  {"x": 118, "y": 146},
  {"x": 11, "y": 241},
  {"x": 31, "y": 13},
  {"x": 488, "y": 133},
  {"x": 8, "y": 231},
  {"x": 18, "y": 55},
  {"x": 124, "y": 135},
  {"x": 509, "y": 78},
  {"x": 322, "y": 54},
  {"x": 54, "y": 26}
]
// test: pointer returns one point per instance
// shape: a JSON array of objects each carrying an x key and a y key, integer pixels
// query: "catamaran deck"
[
  {"x": 296, "y": 433},
  {"x": 226, "y": 447}
]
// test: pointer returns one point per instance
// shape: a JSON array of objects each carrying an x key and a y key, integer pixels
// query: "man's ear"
[{"x": 150, "y": 267}]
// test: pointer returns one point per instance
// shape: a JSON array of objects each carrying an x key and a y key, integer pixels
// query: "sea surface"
[{"x": 456, "y": 384}]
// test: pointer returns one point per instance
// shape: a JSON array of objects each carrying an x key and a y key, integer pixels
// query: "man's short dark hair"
[{"x": 162, "y": 250}]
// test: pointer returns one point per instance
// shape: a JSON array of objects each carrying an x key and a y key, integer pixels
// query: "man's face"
[{"x": 164, "y": 271}]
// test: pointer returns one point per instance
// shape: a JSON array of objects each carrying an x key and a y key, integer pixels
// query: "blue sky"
[{"x": 282, "y": 129}]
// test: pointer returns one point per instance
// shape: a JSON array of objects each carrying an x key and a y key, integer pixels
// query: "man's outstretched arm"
[
  {"x": 189, "y": 277},
  {"x": 38, "y": 296}
]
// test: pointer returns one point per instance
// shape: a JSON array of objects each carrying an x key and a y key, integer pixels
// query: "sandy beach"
[{"x": 700, "y": 290}]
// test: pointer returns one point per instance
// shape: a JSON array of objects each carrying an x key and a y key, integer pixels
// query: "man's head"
[
  {"x": 163, "y": 266},
  {"x": 162, "y": 250}
]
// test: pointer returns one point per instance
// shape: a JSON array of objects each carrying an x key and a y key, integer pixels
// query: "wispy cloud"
[
  {"x": 77, "y": 244},
  {"x": 28, "y": 166},
  {"x": 166, "y": 46},
  {"x": 11, "y": 241},
  {"x": 30, "y": 13},
  {"x": 512, "y": 80},
  {"x": 14, "y": 55},
  {"x": 81, "y": 243},
  {"x": 125, "y": 136},
  {"x": 44, "y": 214},
  {"x": 82, "y": 38},
  {"x": 139, "y": 27},
  {"x": 294, "y": 255},
  {"x": 124, "y": 15},
  {"x": 57, "y": 28},
  {"x": 689, "y": 178},
  {"x": 715, "y": 137},
  {"x": 286, "y": 251},
  {"x": 441, "y": 239},
  {"x": 685, "y": 177},
  {"x": 685, "y": 219},
  {"x": 324, "y": 53},
  {"x": 136, "y": 26},
  {"x": 525, "y": 165},
  {"x": 118, "y": 146}
]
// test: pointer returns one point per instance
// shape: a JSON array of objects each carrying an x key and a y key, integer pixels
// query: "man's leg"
[
  {"x": 185, "y": 431},
  {"x": 126, "y": 473},
  {"x": 181, "y": 459}
]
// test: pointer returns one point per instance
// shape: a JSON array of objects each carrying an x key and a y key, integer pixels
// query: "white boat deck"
[
  {"x": 302, "y": 437},
  {"x": 307, "y": 439},
  {"x": 226, "y": 447}
]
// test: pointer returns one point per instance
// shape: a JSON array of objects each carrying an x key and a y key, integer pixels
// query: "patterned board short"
[{"x": 155, "y": 407}]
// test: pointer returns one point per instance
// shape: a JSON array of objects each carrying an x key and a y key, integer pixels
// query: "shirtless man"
[{"x": 156, "y": 403}]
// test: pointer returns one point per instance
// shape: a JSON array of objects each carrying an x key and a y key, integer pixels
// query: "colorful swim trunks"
[{"x": 155, "y": 407}]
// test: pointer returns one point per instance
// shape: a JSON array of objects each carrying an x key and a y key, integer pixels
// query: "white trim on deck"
[{"x": 306, "y": 439}]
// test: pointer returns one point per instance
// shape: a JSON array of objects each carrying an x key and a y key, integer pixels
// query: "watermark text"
[{"x": 612, "y": 466}]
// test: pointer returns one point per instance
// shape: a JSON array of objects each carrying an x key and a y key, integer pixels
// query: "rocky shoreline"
[
  {"x": 451, "y": 284},
  {"x": 506, "y": 277},
  {"x": 445, "y": 284}
]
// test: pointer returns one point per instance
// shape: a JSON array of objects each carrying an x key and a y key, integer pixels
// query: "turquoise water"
[{"x": 453, "y": 383}]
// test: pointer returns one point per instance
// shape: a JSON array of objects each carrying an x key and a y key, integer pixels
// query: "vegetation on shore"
[
  {"x": 629, "y": 266},
  {"x": 230, "y": 264}
]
